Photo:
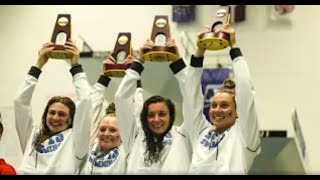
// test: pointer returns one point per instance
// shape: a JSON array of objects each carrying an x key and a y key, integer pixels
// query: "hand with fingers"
[
  {"x": 43, "y": 54},
  {"x": 200, "y": 51},
  {"x": 148, "y": 45},
  {"x": 229, "y": 30},
  {"x": 71, "y": 48},
  {"x": 172, "y": 43}
]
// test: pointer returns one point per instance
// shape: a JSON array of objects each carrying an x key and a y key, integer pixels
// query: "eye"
[
  {"x": 151, "y": 115},
  {"x": 224, "y": 105},
  {"x": 62, "y": 114},
  {"x": 113, "y": 130},
  {"x": 214, "y": 105},
  {"x": 102, "y": 129},
  {"x": 52, "y": 113},
  {"x": 163, "y": 114}
]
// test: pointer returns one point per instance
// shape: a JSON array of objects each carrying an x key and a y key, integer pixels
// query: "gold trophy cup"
[
  {"x": 61, "y": 33},
  {"x": 159, "y": 35},
  {"x": 120, "y": 53},
  {"x": 216, "y": 40}
]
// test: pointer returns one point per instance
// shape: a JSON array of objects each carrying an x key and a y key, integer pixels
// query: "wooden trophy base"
[
  {"x": 115, "y": 70},
  {"x": 59, "y": 53},
  {"x": 160, "y": 54},
  {"x": 213, "y": 41}
]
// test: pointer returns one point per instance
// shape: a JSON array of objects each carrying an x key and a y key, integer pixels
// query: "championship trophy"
[
  {"x": 61, "y": 33},
  {"x": 216, "y": 40},
  {"x": 121, "y": 51},
  {"x": 160, "y": 34}
]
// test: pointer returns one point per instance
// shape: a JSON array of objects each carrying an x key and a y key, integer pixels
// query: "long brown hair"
[
  {"x": 154, "y": 142},
  {"x": 45, "y": 132}
]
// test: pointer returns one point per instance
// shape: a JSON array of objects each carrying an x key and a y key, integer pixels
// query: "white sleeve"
[
  {"x": 193, "y": 101},
  {"x": 98, "y": 99},
  {"x": 124, "y": 99},
  {"x": 245, "y": 104},
  {"x": 138, "y": 105},
  {"x": 82, "y": 119},
  {"x": 23, "y": 111}
]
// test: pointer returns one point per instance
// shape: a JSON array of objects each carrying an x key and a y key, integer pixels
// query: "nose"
[
  {"x": 56, "y": 117},
  {"x": 217, "y": 109},
  {"x": 107, "y": 132},
  {"x": 156, "y": 117}
]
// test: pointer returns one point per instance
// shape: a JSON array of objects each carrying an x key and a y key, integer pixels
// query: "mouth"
[
  {"x": 157, "y": 125},
  {"x": 56, "y": 124},
  {"x": 107, "y": 139}
]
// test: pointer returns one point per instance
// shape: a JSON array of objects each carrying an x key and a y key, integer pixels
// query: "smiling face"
[
  {"x": 223, "y": 112},
  {"x": 158, "y": 117},
  {"x": 58, "y": 117},
  {"x": 108, "y": 133}
]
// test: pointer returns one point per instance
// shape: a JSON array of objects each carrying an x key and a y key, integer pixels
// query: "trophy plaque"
[
  {"x": 160, "y": 34},
  {"x": 216, "y": 40},
  {"x": 61, "y": 33},
  {"x": 120, "y": 53}
]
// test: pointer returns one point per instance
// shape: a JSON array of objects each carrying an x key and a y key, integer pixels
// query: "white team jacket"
[
  {"x": 233, "y": 151},
  {"x": 114, "y": 162},
  {"x": 176, "y": 153},
  {"x": 63, "y": 152}
]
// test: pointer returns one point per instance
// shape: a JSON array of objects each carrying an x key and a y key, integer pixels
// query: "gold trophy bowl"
[
  {"x": 213, "y": 41},
  {"x": 115, "y": 70},
  {"x": 159, "y": 54},
  {"x": 216, "y": 40}
]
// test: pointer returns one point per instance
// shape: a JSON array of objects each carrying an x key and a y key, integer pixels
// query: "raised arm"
[
  {"x": 138, "y": 103},
  {"x": 83, "y": 116},
  {"x": 124, "y": 100},
  {"x": 244, "y": 95},
  {"x": 22, "y": 100},
  {"x": 97, "y": 98},
  {"x": 193, "y": 99}
]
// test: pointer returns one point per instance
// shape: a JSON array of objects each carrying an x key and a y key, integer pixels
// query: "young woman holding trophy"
[
  {"x": 157, "y": 147},
  {"x": 229, "y": 144},
  {"x": 61, "y": 143}
]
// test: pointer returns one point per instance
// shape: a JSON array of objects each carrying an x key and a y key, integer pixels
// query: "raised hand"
[
  {"x": 229, "y": 30},
  {"x": 73, "y": 50},
  {"x": 43, "y": 54}
]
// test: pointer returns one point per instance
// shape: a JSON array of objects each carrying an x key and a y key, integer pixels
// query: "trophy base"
[
  {"x": 213, "y": 42},
  {"x": 115, "y": 70},
  {"x": 59, "y": 54},
  {"x": 160, "y": 54}
]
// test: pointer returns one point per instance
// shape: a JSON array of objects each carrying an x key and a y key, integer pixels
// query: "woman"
[
  {"x": 62, "y": 141},
  {"x": 107, "y": 154},
  {"x": 230, "y": 144},
  {"x": 157, "y": 147}
]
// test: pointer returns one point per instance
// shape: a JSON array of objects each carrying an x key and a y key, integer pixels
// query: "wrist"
[
  {"x": 199, "y": 53},
  {"x": 75, "y": 64}
]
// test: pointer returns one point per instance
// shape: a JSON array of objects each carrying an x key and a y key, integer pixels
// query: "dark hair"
[
  {"x": 154, "y": 142},
  {"x": 1, "y": 127},
  {"x": 45, "y": 132},
  {"x": 229, "y": 87}
]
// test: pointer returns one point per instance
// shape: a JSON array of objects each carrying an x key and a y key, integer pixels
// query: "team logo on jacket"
[
  {"x": 52, "y": 144},
  {"x": 100, "y": 159},
  {"x": 211, "y": 140},
  {"x": 167, "y": 139}
]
